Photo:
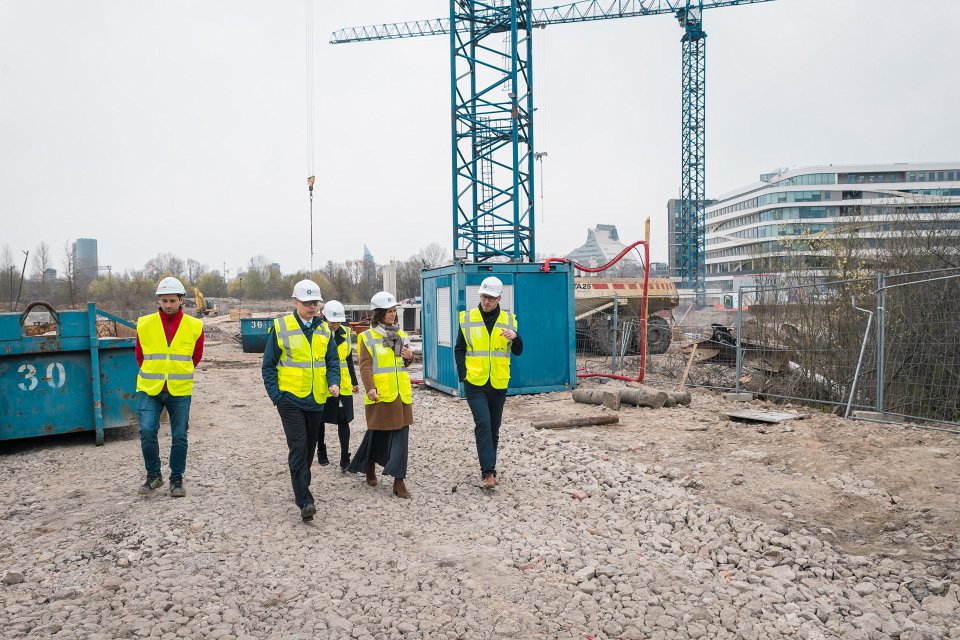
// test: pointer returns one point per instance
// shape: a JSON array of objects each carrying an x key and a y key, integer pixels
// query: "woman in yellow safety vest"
[{"x": 385, "y": 354}]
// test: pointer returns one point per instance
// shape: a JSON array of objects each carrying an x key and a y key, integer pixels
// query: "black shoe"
[
  {"x": 153, "y": 482},
  {"x": 308, "y": 512},
  {"x": 344, "y": 462},
  {"x": 177, "y": 490},
  {"x": 322, "y": 455}
]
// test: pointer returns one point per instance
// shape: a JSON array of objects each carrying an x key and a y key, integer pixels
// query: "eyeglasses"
[
  {"x": 487, "y": 298},
  {"x": 312, "y": 303}
]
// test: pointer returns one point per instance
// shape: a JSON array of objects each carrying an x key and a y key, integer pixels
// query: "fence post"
[
  {"x": 739, "y": 330},
  {"x": 881, "y": 322},
  {"x": 863, "y": 348},
  {"x": 613, "y": 334}
]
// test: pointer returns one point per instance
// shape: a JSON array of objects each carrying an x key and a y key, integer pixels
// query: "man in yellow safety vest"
[
  {"x": 169, "y": 347},
  {"x": 487, "y": 339},
  {"x": 301, "y": 369}
]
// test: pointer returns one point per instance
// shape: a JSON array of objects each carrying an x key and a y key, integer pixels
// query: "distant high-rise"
[
  {"x": 85, "y": 263},
  {"x": 367, "y": 256},
  {"x": 659, "y": 270},
  {"x": 673, "y": 236}
]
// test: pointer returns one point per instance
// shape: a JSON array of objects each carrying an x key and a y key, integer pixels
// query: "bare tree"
[
  {"x": 41, "y": 262},
  {"x": 195, "y": 270},
  {"x": 164, "y": 264},
  {"x": 7, "y": 274},
  {"x": 340, "y": 286},
  {"x": 408, "y": 279},
  {"x": 71, "y": 285},
  {"x": 432, "y": 255}
]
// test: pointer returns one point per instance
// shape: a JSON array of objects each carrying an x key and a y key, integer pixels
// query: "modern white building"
[{"x": 757, "y": 228}]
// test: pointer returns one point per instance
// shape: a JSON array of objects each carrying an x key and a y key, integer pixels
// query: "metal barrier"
[
  {"x": 918, "y": 329},
  {"x": 883, "y": 344},
  {"x": 804, "y": 342},
  {"x": 889, "y": 344}
]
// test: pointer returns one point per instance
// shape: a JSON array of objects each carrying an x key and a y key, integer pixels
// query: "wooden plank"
[
  {"x": 751, "y": 415},
  {"x": 686, "y": 372},
  {"x": 573, "y": 423}
]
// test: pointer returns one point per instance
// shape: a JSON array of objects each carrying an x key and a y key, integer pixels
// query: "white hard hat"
[
  {"x": 307, "y": 291},
  {"x": 383, "y": 300},
  {"x": 170, "y": 285},
  {"x": 491, "y": 287},
  {"x": 333, "y": 311}
]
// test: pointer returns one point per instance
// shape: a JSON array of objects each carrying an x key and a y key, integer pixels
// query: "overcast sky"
[{"x": 182, "y": 125}]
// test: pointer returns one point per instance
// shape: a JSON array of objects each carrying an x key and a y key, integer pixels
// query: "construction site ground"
[
  {"x": 674, "y": 523},
  {"x": 892, "y": 490}
]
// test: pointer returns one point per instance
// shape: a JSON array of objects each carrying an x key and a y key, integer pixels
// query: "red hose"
[{"x": 643, "y": 321}]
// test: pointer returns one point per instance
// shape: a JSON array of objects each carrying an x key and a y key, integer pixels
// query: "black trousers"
[
  {"x": 343, "y": 433},
  {"x": 301, "y": 428},
  {"x": 486, "y": 404}
]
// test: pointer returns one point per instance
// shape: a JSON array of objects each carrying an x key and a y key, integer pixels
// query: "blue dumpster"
[
  {"x": 253, "y": 334},
  {"x": 67, "y": 379}
]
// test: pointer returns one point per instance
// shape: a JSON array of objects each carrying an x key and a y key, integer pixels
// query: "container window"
[{"x": 443, "y": 316}]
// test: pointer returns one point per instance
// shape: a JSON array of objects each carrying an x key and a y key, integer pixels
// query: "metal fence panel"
[
  {"x": 804, "y": 342},
  {"x": 921, "y": 347}
]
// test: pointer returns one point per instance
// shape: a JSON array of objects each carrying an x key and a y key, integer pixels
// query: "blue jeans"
[
  {"x": 178, "y": 408},
  {"x": 486, "y": 405}
]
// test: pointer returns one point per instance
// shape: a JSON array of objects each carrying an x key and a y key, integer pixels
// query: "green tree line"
[{"x": 130, "y": 292}]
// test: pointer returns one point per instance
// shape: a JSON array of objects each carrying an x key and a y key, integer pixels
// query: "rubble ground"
[{"x": 675, "y": 523}]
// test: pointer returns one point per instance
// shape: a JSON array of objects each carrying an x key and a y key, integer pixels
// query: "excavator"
[{"x": 205, "y": 306}]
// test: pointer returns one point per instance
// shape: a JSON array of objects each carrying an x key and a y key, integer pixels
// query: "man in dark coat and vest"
[{"x": 487, "y": 339}]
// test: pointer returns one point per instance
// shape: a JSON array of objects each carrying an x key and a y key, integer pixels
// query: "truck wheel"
[
  {"x": 600, "y": 336},
  {"x": 658, "y": 335}
]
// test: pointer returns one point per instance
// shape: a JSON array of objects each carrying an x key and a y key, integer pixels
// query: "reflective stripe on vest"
[
  {"x": 302, "y": 368},
  {"x": 344, "y": 350},
  {"x": 162, "y": 363},
  {"x": 390, "y": 377},
  {"x": 488, "y": 352}
]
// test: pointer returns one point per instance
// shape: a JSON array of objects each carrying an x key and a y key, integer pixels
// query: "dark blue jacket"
[{"x": 271, "y": 356}]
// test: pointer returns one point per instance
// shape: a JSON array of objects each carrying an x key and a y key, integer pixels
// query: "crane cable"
[{"x": 311, "y": 114}]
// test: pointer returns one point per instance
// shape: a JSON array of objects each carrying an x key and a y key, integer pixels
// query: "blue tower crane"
[{"x": 491, "y": 74}]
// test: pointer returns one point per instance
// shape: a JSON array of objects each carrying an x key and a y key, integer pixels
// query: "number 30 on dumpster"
[{"x": 56, "y": 376}]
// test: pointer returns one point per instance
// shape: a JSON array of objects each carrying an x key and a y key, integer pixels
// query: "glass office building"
[
  {"x": 762, "y": 227},
  {"x": 85, "y": 262}
]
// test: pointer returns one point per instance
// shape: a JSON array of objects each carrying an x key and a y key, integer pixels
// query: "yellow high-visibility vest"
[
  {"x": 390, "y": 376},
  {"x": 488, "y": 353},
  {"x": 302, "y": 368},
  {"x": 162, "y": 363},
  {"x": 344, "y": 350}
]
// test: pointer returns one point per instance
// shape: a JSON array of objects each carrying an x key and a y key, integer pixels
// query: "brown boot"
[
  {"x": 400, "y": 489},
  {"x": 372, "y": 474}
]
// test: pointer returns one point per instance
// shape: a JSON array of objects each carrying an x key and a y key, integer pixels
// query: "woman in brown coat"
[{"x": 385, "y": 354}]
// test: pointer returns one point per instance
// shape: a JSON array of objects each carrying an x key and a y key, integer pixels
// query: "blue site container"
[
  {"x": 542, "y": 302},
  {"x": 65, "y": 381},
  {"x": 253, "y": 334}
]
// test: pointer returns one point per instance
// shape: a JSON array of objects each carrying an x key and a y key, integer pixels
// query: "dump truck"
[{"x": 594, "y": 299}]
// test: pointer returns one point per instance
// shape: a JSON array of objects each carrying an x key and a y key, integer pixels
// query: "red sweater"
[{"x": 170, "y": 326}]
